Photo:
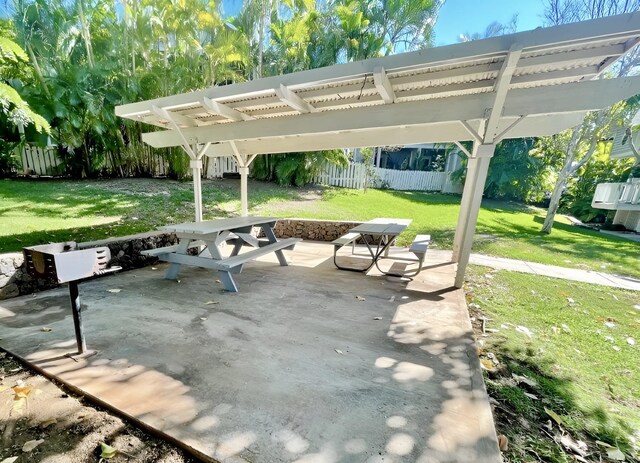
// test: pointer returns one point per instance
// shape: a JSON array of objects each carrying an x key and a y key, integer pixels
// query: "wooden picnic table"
[{"x": 209, "y": 237}]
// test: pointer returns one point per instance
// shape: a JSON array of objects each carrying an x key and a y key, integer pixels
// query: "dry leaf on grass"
[
  {"x": 553, "y": 415},
  {"x": 615, "y": 454},
  {"x": 525, "y": 330},
  {"x": 577, "y": 447},
  {"x": 49, "y": 422},
  {"x": 45, "y": 329},
  {"x": 523, "y": 379},
  {"x": 114, "y": 290},
  {"x": 503, "y": 443},
  {"x": 32, "y": 444},
  {"x": 360, "y": 298}
]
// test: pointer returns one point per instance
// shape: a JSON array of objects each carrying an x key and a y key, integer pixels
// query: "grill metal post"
[{"x": 74, "y": 296}]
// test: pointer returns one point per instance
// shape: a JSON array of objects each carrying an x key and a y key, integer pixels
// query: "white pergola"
[{"x": 527, "y": 84}]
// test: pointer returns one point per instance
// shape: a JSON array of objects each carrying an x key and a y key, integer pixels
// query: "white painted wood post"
[
  {"x": 478, "y": 166},
  {"x": 196, "y": 166},
  {"x": 244, "y": 195}
]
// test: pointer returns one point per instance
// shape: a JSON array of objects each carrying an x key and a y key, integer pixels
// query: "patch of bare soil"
[{"x": 41, "y": 422}]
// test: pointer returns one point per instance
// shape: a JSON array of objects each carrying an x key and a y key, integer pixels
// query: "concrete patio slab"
[{"x": 306, "y": 363}]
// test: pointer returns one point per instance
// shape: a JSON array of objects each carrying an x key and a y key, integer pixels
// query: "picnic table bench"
[{"x": 209, "y": 237}]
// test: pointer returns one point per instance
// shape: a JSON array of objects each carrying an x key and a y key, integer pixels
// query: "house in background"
[
  {"x": 624, "y": 197},
  {"x": 426, "y": 157}
]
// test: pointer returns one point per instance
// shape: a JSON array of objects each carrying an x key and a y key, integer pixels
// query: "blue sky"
[
  {"x": 469, "y": 16},
  {"x": 465, "y": 16}
]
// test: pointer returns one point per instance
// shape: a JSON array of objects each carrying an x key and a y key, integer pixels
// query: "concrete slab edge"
[{"x": 93, "y": 400}]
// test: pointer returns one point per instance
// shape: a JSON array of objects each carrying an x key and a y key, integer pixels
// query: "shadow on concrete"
[{"x": 306, "y": 363}]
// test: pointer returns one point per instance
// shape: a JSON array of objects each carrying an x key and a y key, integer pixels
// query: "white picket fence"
[
  {"x": 216, "y": 167},
  {"x": 36, "y": 160},
  {"x": 357, "y": 176},
  {"x": 43, "y": 161}
]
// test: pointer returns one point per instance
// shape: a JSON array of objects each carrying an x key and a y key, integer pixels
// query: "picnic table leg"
[
  {"x": 227, "y": 281},
  {"x": 238, "y": 246},
  {"x": 172, "y": 271},
  {"x": 271, "y": 236}
]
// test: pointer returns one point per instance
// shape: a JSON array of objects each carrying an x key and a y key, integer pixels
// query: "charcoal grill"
[{"x": 65, "y": 263}]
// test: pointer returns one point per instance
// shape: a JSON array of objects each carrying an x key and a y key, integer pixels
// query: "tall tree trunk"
[
  {"x": 554, "y": 202},
  {"x": 570, "y": 167},
  {"x": 38, "y": 69},
  {"x": 86, "y": 34}
]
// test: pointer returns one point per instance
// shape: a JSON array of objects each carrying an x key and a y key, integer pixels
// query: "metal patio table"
[{"x": 378, "y": 235}]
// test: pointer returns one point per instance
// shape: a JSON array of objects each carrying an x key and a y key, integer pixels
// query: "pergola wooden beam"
[
  {"x": 383, "y": 85},
  {"x": 220, "y": 109},
  {"x": 290, "y": 98},
  {"x": 565, "y": 98}
]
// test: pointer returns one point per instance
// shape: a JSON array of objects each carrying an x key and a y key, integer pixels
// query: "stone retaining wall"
[
  {"x": 125, "y": 251},
  {"x": 315, "y": 230}
]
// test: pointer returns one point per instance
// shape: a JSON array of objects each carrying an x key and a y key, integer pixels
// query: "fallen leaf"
[
  {"x": 553, "y": 415},
  {"x": 615, "y": 454},
  {"x": 212, "y": 302},
  {"x": 21, "y": 392},
  {"x": 49, "y": 422},
  {"x": 32, "y": 444},
  {"x": 525, "y": 330},
  {"x": 114, "y": 290},
  {"x": 203, "y": 318},
  {"x": 637, "y": 306},
  {"x": 531, "y": 396},
  {"x": 570, "y": 300},
  {"x": 487, "y": 364},
  {"x": 360, "y": 298},
  {"x": 523, "y": 379},
  {"x": 107, "y": 451},
  {"x": 503, "y": 443},
  {"x": 566, "y": 328},
  {"x": 338, "y": 351},
  {"x": 45, "y": 329},
  {"x": 631, "y": 341},
  {"x": 609, "y": 324},
  {"x": 616, "y": 348},
  {"x": 577, "y": 447},
  {"x": 604, "y": 444}
]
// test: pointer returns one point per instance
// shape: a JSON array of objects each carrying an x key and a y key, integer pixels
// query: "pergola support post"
[
  {"x": 244, "y": 196},
  {"x": 244, "y": 161},
  {"x": 196, "y": 167},
  {"x": 477, "y": 169}
]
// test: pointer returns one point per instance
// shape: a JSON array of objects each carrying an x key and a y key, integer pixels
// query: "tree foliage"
[
  {"x": 580, "y": 146},
  {"x": 86, "y": 56}
]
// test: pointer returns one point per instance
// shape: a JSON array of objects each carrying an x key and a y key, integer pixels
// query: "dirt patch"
[{"x": 66, "y": 428}]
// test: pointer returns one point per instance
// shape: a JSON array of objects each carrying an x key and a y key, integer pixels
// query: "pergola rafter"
[{"x": 531, "y": 83}]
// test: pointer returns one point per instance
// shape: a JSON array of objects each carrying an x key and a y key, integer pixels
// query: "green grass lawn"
[
  {"x": 584, "y": 367},
  {"x": 42, "y": 211},
  {"x": 504, "y": 229}
]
